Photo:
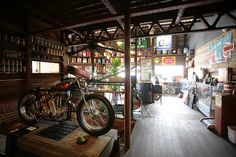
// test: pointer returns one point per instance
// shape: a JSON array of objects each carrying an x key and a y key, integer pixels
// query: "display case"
[{"x": 205, "y": 98}]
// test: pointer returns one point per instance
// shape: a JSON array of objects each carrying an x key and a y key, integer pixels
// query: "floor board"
[{"x": 175, "y": 130}]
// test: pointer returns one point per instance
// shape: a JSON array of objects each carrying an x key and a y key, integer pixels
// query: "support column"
[
  {"x": 136, "y": 59},
  {"x": 127, "y": 77}
]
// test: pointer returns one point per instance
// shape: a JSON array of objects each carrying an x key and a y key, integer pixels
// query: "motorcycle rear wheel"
[{"x": 28, "y": 108}]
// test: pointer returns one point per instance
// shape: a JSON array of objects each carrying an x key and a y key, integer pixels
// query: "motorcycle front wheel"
[
  {"x": 28, "y": 108},
  {"x": 97, "y": 117}
]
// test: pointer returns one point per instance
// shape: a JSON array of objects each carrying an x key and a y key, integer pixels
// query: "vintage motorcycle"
[{"x": 94, "y": 112}]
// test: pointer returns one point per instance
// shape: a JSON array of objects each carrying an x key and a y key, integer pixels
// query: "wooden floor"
[{"x": 174, "y": 130}]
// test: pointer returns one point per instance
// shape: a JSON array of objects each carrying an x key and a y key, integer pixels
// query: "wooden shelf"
[
  {"x": 44, "y": 54},
  {"x": 46, "y": 60},
  {"x": 166, "y": 55},
  {"x": 87, "y": 64}
]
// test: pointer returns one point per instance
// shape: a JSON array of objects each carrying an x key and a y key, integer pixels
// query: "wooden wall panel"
[
  {"x": 10, "y": 90},
  {"x": 10, "y": 93},
  {"x": 203, "y": 55},
  {"x": 13, "y": 89}
]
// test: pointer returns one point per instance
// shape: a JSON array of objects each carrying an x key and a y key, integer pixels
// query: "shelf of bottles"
[
  {"x": 84, "y": 58},
  {"x": 46, "y": 50},
  {"x": 12, "y": 53}
]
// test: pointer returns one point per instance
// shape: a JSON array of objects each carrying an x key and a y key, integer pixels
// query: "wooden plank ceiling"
[{"x": 86, "y": 21}]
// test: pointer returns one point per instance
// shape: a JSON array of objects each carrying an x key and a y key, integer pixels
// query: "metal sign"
[{"x": 170, "y": 60}]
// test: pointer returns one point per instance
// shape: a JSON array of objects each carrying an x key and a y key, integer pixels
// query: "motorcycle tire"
[
  {"x": 28, "y": 110},
  {"x": 98, "y": 117}
]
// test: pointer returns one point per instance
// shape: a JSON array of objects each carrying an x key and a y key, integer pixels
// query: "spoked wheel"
[
  {"x": 28, "y": 109},
  {"x": 97, "y": 117}
]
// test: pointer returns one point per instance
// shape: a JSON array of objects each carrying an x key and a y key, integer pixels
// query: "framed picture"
[{"x": 3, "y": 143}]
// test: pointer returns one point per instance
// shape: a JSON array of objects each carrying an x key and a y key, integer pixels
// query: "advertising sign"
[
  {"x": 219, "y": 49},
  {"x": 170, "y": 60},
  {"x": 141, "y": 43},
  {"x": 157, "y": 60},
  {"x": 146, "y": 69},
  {"x": 164, "y": 42}
]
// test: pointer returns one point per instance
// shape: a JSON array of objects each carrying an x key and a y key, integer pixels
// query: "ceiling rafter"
[
  {"x": 219, "y": 15},
  {"x": 102, "y": 22},
  {"x": 232, "y": 17},
  {"x": 204, "y": 22},
  {"x": 162, "y": 27},
  {"x": 134, "y": 13},
  {"x": 45, "y": 17},
  {"x": 109, "y": 6}
]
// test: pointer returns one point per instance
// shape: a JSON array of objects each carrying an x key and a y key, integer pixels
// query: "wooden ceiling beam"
[
  {"x": 87, "y": 8},
  {"x": 134, "y": 13},
  {"x": 167, "y": 7},
  {"x": 43, "y": 16},
  {"x": 71, "y": 5},
  {"x": 112, "y": 10}
]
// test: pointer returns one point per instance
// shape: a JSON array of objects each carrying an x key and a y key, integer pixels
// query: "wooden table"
[{"x": 95, "y": 146}]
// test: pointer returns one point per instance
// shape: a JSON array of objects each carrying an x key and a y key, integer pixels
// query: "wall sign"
[
  {"x": 228, "y": 47},
  {"x": 157, "y": 60},
  {"x": 146, "y": 69},
  {"x": 164, "y": 42},
  {"x": 217, "y": 50},
  {"x": 170, "y": 60},
  {"x": 141, "y": 43}
]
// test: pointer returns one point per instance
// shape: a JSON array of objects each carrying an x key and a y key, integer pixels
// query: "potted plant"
[{"x": 114, "y": 71}]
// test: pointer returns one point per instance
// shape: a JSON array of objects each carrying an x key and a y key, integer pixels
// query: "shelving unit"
[
  {"x": 86, "y": 60},
  {"x": 13, "y": 54},
  {"x": 45, "y": 50}
]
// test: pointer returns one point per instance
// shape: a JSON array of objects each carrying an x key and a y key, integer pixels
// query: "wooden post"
[
  {"x": 127, "y": 77},
  {"x": 136, "y": 58},
  {"x": 92, "y": 62},
  {"x": 28, "y": 72}
]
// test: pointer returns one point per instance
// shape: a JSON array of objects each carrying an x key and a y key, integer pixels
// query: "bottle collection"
[
  {"x": 85, "y": 57},
  {"x": 45, "y": 49},
  {"x": 12, "y": 52}
]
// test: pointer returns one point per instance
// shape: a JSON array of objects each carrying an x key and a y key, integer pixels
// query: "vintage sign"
[
  {"x": 157, "y": 60},
  {"x": 170, "y": 60},
  {"x": 164, "y": 42},
  {"x": 219, "y": 49},
  {"x": 141, "y": 43},
  {"x": 146, "y": 69},
  {"x": 228, "y": 47}
]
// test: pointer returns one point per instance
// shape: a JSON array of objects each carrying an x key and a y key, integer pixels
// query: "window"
[{"x": 45, "y": 67}]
